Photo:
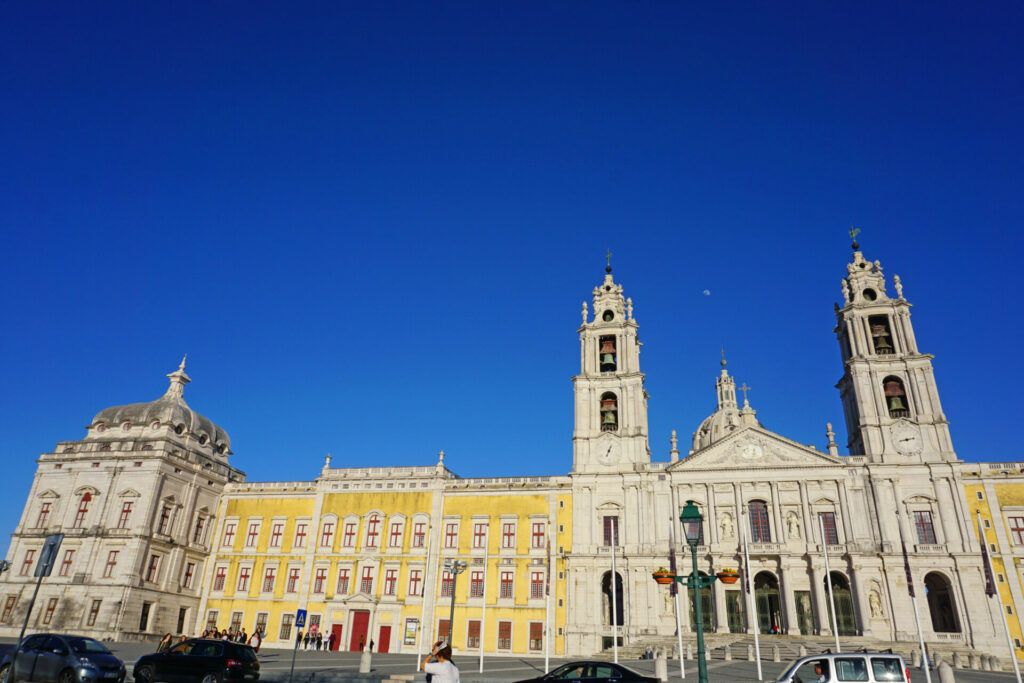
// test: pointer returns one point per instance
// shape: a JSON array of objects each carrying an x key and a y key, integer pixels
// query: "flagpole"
[
  {"x": 828, "y": 584},
  {"x": 615, "y": 599},
  {"x": 674, "y": 590},
  {"x": 913, "y": 600},
  {"x": 992, "y": 592},
  {"x": 751, "y": 602},
  {"x": 483, "y": 610},
  {"x": 547, "y": 608}
]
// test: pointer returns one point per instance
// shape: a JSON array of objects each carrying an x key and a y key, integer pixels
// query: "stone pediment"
[
  {"x": 754, "y": 447},
  {"x": 360, "y": 598}
]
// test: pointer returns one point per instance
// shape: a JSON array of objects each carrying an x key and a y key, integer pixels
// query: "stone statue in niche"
[
  {"x": 875, "y": 605},
  {"x": 846, "y": 292},
  {"x": 793, "y": 525},
  {"x": 727, "y": 527}
]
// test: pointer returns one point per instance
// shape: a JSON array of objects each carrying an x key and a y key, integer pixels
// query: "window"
[
  {"x": 537, "y": 535},
  {"x": 479, "y": 535},
  {"x": 165, "y": 519},
  {"x": 505, "y": 586},
  {"x": 390, "y": 580},
  {"x": 51, "y": 605},
  {"x": 244, "y": 574},
  {"x": 326, "y": 534},
  {"x": 293, "y": 580},
  {"x": 372, "y": 531},
  {"x": 508, "y": 535},
  {"x": 26, "y": 565},
  {"x": 108, "y": 569},
  {"x": 94, "y": 611},
  {"x": 760, "y": 529},
  {"x": 611, "y": 530},
  {"x": 395, "y": 538},
  {"x": 419, "y": 534},
  {"x": 536, "y": 636},
  {"x": 980, "y": 495},
  {"x": 895, "y": 397},
  {"x": 924, "y": 527},
  {"x": 190, "y": 571},
  {"x": 607, "y": 353},
  {"x": 320, "y": 580},
  {"x": 276, "y": 531},
  {"x": 286, "y": 627},
  {"x": 253, "y": 535},
  {"x": 415, "y": 581},
  {"x": 211, "y": 620},
  {"x": 881, "y": 335},
  {"x": 887, "y": 669},
  {"x": 536, "y": 585},
  {"x": 447, "y": 582},
  {"x": 828, "y": 524},
  {"x": 473, "y": 634},
  {"x": 348, "y": 540},
  {"x": 342, "y": 582},
  {"x": 300, "y": 534},
  {"x": 229, "y": 534},
  {"x": 851, "y": 669},
  {"x": 44, "y": 515},
  {"x": 504, "y": 635},
  {"x": 197, "y": 534},
  {"x": 1017, "y": 530},
  {"x": 609, "y": 413},
  {"x": 236, "y": 622},
  {"x": 9, "y": 603},
  {"x": 269, "y": 577},
  {"x": 366, "y": 582},
  {"x": 153, "y": 569},
  {"x": 83, "y": 510},
  {"x": 476, "y": 585},
  {"x": 451, "y": 535},
  {"x": 261, "y": 622},
  {"x": 219, "y": 576},
  {"x": 65, "y": 564},
  {"x": 443, "y": 628}
]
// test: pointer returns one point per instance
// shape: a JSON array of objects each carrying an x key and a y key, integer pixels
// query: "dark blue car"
[{"x": 53, "y": 658}]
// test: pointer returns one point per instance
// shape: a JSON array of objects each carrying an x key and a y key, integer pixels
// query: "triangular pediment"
[
  {"x": 360, "y": 598},
  {"x": 754, "y": 447}
]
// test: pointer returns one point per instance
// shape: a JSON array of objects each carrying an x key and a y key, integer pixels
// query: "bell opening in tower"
[
  {"x": 881, "y": 335},
  {"x": 608, "y": 354},
  {"x": 609, "y": 413},
  {"x": 895, "y": 397}
]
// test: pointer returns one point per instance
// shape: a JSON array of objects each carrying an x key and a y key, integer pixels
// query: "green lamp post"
[{"x": 692, "y": 522}]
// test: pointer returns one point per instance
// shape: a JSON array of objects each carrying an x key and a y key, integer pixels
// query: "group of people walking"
[{"x": 315, "y": 641}]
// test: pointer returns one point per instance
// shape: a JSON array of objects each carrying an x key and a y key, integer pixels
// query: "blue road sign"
[
  {"x": 48, "y": 555},
  {"x": 300, "y": 618}
]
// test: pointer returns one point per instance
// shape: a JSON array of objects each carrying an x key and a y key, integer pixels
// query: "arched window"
[
  {"x": 846, "y": 618},
  {"x": 895, "y": 397},
  {"x": 607, "y": 353},
  {"x": 940, "y": 604},
  {"x": 881, "y": 335},
  {"x": 760, "y": 529},
  {"x": 609, "y": 412}
]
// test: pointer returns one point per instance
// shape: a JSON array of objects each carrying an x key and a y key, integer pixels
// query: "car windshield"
[{"x": 87, "y": 646}]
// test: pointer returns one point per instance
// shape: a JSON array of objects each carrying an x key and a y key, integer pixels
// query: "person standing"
[
  {"x": 330, "y": 641},
  {"x": 256, "y": 640},
  {"x": 298, "y": 638},
  {"x": 319, "y": 641},
  {"x": 305, "y": 641},
  {"x": 438, "y": 664}
]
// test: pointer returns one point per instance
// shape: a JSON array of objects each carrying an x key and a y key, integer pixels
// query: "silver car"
[
  {"x": 869, "y": 667},
  {"x": 52, "y": 658}
]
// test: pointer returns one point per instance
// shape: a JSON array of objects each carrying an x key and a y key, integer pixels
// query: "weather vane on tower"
[
  {"x": 608, "y": 258},
  {"x": 853, "y": 236}
]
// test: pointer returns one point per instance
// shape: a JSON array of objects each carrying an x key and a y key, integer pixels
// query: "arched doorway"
[
  {"x": 846, "y": 618},
  {"x": 707, "y": 608},
  {"x": 769, "y": 604},
  {"x": 940, "y": 603},
  {"x": 606, "y": 591}
]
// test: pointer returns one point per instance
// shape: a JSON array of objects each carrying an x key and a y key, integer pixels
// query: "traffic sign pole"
[{"x": 300, "y": 621}]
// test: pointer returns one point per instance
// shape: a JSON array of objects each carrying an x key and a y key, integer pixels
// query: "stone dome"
[
  {"x": 171, "y": 411},
  {"x": 728, "y": 416}
]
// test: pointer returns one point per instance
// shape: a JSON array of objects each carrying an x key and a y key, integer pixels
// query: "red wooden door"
[
  {"x": 336, "y": 632},
  {"x": 360, "y": 624},
  {"x": 385, "y": 639}
]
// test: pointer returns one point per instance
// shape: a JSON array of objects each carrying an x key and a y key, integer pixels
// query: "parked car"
[
  {"x": 870, "y": 667},
  {"x": 199, "y": 661},
  {"x": 591, "y": 671},
  {"x": 56, "y": 658}
]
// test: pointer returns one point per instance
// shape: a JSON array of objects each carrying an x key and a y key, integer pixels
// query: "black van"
[{"x": 199, "y": 661}]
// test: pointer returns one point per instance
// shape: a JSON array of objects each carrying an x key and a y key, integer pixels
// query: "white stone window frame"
[
  {"x": 502, "y": 521},
  {"x": 823, "y": 504},
  {"x": 445, "y": 522},
  {"x": 48, "y": 496},
  {"x": 919, "y": 502},
  {"x": 283, "y": 521},
  {"x": 310, "y": 538},
  {"x": 424, "y": 519},
  {"x": 396, "y": 567},
  {"x": 326, "y": 566},
  {"x": 349, "y": 519},
  {"x": 608, "y": 508},
  {"x": 287, "y": 577},
  {"x": 251, "y": 566},
  {"x": 353, "y": 578},
  {"x": 375, "y": 576},
  {"x": 249, "y": 522},
  {"x": 171, "y": 503},
  {"x": 422, "y": 569},
  {"x": 1008, "y": 512},
  {"x": 542, "y": 519},
  {"x": 332, "y": 519},
  {"x": 758, "y": 496},
  {"x": 276, "y": 566},
  {"x": 397, "y": 518},
  {"x": 213, "y": 581},
  {"x": 76, "y": 499},
  {"x": 197, "y": 572},
  {"x": 382, "y": 531},
  {"x": 474, "y": 521},
  {"x": 223, "y": 532},
  {"x": 204, "y": 514}
]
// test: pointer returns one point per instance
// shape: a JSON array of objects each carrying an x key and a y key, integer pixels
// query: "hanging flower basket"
[
  {"x": 728, "y": 576},
  {"x": 663, "y": 577}
]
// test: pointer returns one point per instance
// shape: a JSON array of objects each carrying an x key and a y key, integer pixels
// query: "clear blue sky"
[{"x": 371, "y": 227}]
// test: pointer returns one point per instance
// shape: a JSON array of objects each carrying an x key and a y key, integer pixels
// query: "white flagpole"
[
  {"x": 992, "y": 574},
  {"x": 828, "y": 583},
  {"x": 423, "y": 606},
  {"x": 547, "y": 607},
  {"x": 483, "y": 611},
  {"x": 679, "y": 623},
  {"x": 751, "y": 602},
  {"x": 615, "y": 599},
  {"x": 913, "y": 601}
]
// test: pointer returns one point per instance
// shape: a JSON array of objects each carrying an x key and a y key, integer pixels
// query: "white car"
[{"x": 865, "y": 667}]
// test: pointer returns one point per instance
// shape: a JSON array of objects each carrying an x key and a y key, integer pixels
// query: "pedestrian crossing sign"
[{"x": 300, "y": 618}]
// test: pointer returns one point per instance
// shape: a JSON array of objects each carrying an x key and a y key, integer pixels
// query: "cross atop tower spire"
[{"x": 179, "y": 378}]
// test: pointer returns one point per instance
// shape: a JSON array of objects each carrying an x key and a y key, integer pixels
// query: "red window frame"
[
  {"x": 536, "y": 636},
  {"x": 65, "y": 565},
  {"x": 343, "y": 578},
  {"x": 229, "y": 534},
  {"x": 451, "y": 535},
  {"x": 610, "y": 525},
  {"x": 190, "y": 570},
  {"x": 269, "y": 579},
  {"x": 390, "y": 581},
  {"x": 126, "y": 513},
  {"x": 507, "y": 585},
  {"x": 396, "y": 535},
  {"x": 348, "y": 540},
  {"x": 197, "y": 535},
  {"x": 108, "y": 569},
  {"x": 26, "y": 564},
  {"x": 828, "y": 523},
  {"x": 10, "y": 602},
  {"x": 415, "y": 579},
  {"x": 294, "y": 574},
  {"x": 479, "y": 535},
  {"x": 83, "y": 510},
  {"x": 243, "y": 579},
  {"x": 504, "y": 635},
  {"x": 94, "y": 611},
  {"x": 447, "y": 582},
  {"x": 372, "y": 531},
  {"x": 300, "y": 534},
  {"x": 165, "y": 519},
  {"x": 419, "y": 534},
  {"x": 51, "y": 605},
  {"x": 153, "y": 568},
  {"x": 326, "y": 534},
  {"x": 536, "y": 585},
  {"x": 219, "y": 577},
  {"x": 925, "y": 527},
  {"x": 476, "y": 584},
  {"x": 537, "y": 538},
  {"x": 760, "y": 525},
  {"x": 252, "y": 535},
  {"x": 319, "y": 579},
  {"x": 276, "y": 532},
  {"x": 508, "y": 535},
  {"x": 1017, "y": 530},
  {"x": 44, "y": 515},
  {"x": 366, "y": 582}
]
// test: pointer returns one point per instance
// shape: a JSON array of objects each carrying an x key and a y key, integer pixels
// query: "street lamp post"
[
  {"x": 453, "y": 567},
  {"x": 692, "y": 523}
]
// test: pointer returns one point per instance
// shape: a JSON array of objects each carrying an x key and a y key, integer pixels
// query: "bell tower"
[
  {"x": 888, "y": 389},
  {"x": 610, "y": 432}
]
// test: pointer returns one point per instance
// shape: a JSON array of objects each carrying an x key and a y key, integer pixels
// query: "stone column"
[
  {"x": 780, "y": 531},
  {"x": 820, "y": 600},
  {"x": 712, "y": 515},
  {"x": 789, "y": 620},
  {"x": 721, "y": 616},
  {"x": 862, "y": 612}
]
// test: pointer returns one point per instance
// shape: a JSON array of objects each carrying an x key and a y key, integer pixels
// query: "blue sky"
[{"x": 371, "y": 226}]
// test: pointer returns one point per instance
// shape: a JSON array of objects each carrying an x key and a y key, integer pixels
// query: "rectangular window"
[
  {"x": 419, "y": 534},
  {"x": 236, "y": 622},
  {"x": 65, "y": 564},
  {"x": 165, "y": 519},
  {"x": 446, "y": 584},
  {"x": 925, "y": 529},
  {"x": 390, "y": 581},
  {"x": 276, "y": 532},
  {"x": 504, "y": 635},
  {"x": 348, "y": 540},
  {"x": 126, "y": 514},
  {"x": 611, "y": 530},
  {"x": 451, "y": 535},
  {"x": 51, "y": 605},
  {"x": 443, "y": 629},
  {"x": 1017, "y": 530},
  {"x": 190, "y": 571},
  {"x": 508, "y": 535},
  {"x": 244, "y": 574},
  {"x": 415, "y": 583},
  {"x": 828, "y": 523},
  {"x": 505, "y": 586},
  {"x": 286, "y": 627},
  {"x": 300, "y": 535},
  {"x": 26, "y": 565},
  {"x": 269, "y": 577},
  {"x": 326, "y": 534},
  {"x": 537, "y": 536},
  {"x": 536, "y": 585},
  {"x": 108, "y": 569},
  {"x": 153, "y": 569},
  {"x": 253, "y": 535},
  {"x": 147, "y": 607},
  {"x": 479, "y": 535},
  {"x": 760, "y": 529},
  {"x": 261, "y": 622},
  {"x": 342, "y": 582},
  {"x": 372, "y": 531},
  {"x": 320, "y": 580},
  {"x": 9, "y": 603},
  {"x": 94, "y": 611},
  {"x": 366, "y": 583},
  {"x": 197, "y": 534},
  {"x": 473, "y": 634},
  {"x": 476, "y": 584},
  {"x": 44, "y": 516},
  {"x": 536, "y": 636},
  {"x": 293, "y": 580},
  {"x": 211, "y": 620},
  {"x": 219, "y": 577},
  {"x": 396, "y": 535},
  {"x": 83, "y": 510},
  {"x": 229, "y": 534}
]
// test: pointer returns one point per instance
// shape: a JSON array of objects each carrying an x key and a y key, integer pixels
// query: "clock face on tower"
[
  {"x": 608, "y": 451},
  {"x": 906, "y": 437}
]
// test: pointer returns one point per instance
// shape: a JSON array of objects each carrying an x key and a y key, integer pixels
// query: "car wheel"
[
  {"x": 66, "y": 676},
  {"x": 211, "y": 678},
  {"x": 4, "y": 671},
  {"x": 144, "y": 674}
]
